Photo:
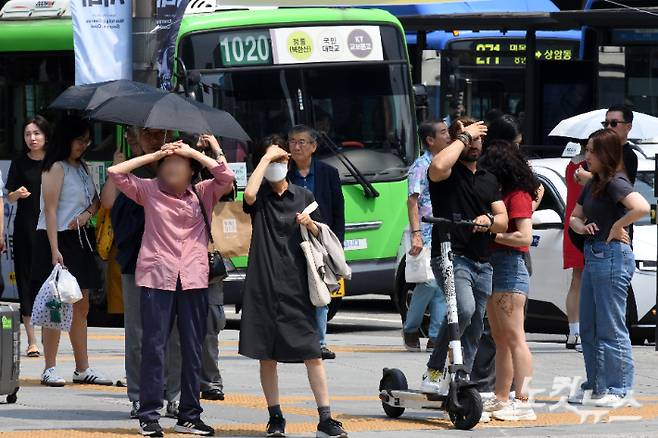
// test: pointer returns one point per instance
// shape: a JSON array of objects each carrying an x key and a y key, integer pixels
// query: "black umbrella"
[
  {"x": 90, "y": 96},
  {"x": 169, "y": 111}
]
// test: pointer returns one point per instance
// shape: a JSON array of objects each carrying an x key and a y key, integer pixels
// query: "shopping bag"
[
  {"x": 317, "y": 288},
  {"x": 104, "y": 233},
  {"x": 67, "y": 286},
  {"x": 418, "y": 268},
  {"x": 231, "y": 229},
  {"x": 49, "y": 311}
]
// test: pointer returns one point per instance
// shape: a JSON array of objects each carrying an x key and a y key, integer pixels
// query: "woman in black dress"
[
  {"x": 24, "y": 189},
  {"x": 278, "y": 319}
]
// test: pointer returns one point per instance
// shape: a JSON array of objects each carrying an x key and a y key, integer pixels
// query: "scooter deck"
[{"x": 411, "y": 398}]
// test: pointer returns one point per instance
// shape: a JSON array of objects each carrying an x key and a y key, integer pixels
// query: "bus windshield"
[{"x": 357, "y": 106}]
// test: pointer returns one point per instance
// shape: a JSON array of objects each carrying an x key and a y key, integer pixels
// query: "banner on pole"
[
  {"x": 102, "y": 39},
  {"x": 169, "y": 14}
]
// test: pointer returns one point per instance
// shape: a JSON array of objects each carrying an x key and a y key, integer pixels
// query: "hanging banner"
[
  {"x": 169, "y": 14},
  {"x": 102, "y": 40}
]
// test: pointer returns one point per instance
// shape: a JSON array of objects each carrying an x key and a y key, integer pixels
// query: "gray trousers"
[
  {"x": 133, "y": 345},
  {"x": 211, "y": 377}
]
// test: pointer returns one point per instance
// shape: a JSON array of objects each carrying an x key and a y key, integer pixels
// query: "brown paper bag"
[{"x": 231, "y": 229}]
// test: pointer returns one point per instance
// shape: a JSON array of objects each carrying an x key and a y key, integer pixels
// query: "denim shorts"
[{"x": 509, "y": 272}]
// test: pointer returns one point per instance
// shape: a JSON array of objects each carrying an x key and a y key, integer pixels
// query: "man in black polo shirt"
[
  {"x": 619, "y": 118},
  {"x": 458, "y": 186}
]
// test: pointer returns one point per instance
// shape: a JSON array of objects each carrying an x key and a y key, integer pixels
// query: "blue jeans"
[
  {"x": 473, "y": 288},
  {"x": 426, "y": 294},
  {"x": 606, "y": 344},
  {"x": 321, "y": 323}
]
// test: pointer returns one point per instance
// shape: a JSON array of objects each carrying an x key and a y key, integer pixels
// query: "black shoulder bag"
[{"x": 216, "y": 267}]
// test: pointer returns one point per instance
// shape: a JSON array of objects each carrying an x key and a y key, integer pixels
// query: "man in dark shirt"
[
  {"x": 619, "y": 118},
  {"x": 458, "y": 186},
  {"x": 323, "y": 181}
]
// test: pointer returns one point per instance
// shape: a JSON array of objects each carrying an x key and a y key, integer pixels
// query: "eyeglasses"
[
  {"x": 84, "y": 141},
  {"x": 301, "y": 143},
  {"x": 612, "y": 123}
]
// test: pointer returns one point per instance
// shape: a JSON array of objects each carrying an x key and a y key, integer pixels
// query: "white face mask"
[{"x": 276, "y": 172}]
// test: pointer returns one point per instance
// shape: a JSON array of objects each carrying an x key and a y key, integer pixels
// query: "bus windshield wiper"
[{"x": 368, "y": 189}]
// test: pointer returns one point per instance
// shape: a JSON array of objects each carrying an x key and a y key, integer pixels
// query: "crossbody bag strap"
[{"x": 205, "y": 216}]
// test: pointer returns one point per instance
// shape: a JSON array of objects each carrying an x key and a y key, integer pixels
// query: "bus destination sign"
[
  {"x": 248, "y": 47},
  {"x": 300, "y": 45},
  {"x": 511, "y": 52}
]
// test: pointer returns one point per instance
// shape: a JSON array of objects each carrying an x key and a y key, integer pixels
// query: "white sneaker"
[
  {"x": 485, "y": 417},
  {"x": 493, "y": 404},
  {"x": 435, "y": 383},
  {"x": 611, "y": 401},
  {"x": 91, "y": 377},
  {"x": 50, "y": 378},
  {"x": 582, "y": 397},
  {"x": 517, "y": 410}
]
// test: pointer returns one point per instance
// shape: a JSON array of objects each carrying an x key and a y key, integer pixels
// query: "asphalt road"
[{"x": 366, "y": 337}]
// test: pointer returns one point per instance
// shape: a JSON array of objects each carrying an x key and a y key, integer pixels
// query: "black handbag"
[
  {"x": 216, "y": 267},
  {"x": 578, "y": 240}
]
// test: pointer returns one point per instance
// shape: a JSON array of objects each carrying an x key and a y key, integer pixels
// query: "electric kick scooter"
[{"x": 458, "y": 396}]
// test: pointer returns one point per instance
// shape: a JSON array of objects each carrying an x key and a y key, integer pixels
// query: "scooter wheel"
[
  {"x": 12, "y": 398},
  {"x": 467, "y": 417},
  {"x": 393, "y": 380}
]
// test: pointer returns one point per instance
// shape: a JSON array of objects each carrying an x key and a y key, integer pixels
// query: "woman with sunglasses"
[
  {"x": 68, "y": 201},
  {"x": 604, "y": 212}
]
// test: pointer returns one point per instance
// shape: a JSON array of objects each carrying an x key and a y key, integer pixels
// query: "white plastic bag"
[
  {"x": 67, "y": 286},
  {"x": 49, "y": 310},
  {"x": 418, "y": 268}
]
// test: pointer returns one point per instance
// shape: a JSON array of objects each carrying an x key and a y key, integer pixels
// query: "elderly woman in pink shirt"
[{"x": 172, "y": 270}]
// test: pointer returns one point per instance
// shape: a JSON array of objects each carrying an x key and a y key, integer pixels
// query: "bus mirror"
[
  {"x": 421, "y": 100},
  {"x": 420, "y": 91},
  {"x": 452, "y": 82}
]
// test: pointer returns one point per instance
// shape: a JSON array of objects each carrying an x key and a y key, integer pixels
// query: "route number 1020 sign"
[{"x": 245, "y": 48}]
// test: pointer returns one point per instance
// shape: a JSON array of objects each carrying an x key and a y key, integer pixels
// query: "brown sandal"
[{"x": 33, "y": 351}]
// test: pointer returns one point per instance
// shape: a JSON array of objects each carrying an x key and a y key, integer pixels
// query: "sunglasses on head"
[{"x": 612, "y": 123}]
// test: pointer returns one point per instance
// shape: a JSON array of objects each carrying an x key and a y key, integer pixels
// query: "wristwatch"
[{"x": 491, "y": 218}]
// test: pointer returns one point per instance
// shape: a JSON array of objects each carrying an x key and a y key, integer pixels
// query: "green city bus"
[{"x": 271, "y": 69}]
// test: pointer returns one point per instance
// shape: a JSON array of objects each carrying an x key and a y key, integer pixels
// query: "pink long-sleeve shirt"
[{"x": 175, "y": 241}]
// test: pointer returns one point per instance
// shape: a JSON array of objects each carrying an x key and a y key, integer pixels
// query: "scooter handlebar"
[
  {"x": 452, "y": 223},
  {"x": 445, "y": 221}
]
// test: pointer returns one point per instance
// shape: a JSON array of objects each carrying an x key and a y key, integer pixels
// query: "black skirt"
[{"x": 79, "y": 258}]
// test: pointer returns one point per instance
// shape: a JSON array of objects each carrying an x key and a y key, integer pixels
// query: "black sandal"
[{"x": 32, "y": 351}]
